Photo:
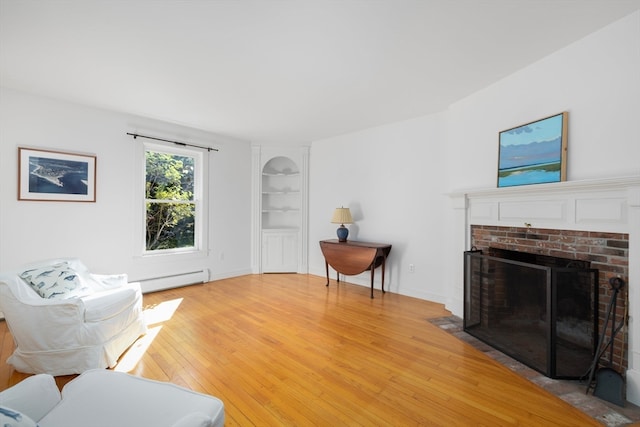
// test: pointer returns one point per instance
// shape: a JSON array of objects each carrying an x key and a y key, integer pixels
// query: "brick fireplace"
[
  {"x": 607, "y": 252},
  {"x": 592, "y": 220}
]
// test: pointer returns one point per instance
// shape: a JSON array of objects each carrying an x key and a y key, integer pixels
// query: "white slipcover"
[
  {"x": 101, "y": 398},
  {"x": 70, "y": 336}
]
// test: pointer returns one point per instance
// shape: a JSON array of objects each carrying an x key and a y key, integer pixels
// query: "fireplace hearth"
[{"x": 540, "y": 310}]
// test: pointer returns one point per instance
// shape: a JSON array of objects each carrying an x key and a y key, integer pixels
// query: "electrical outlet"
[{"x": 412, "y": 268}]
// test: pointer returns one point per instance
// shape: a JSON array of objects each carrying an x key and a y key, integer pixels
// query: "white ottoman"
[{"x": 102, "y": 398}]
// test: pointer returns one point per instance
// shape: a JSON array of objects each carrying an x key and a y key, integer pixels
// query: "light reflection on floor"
[
  {"x": 153, "y": 315},
  {"x": 161, "y": 312}
]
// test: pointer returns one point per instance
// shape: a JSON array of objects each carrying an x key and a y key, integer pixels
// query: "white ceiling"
[{"x": 282, "y": 71}]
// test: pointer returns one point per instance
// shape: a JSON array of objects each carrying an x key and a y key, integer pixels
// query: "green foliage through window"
[{"x": 170, "y": 202}]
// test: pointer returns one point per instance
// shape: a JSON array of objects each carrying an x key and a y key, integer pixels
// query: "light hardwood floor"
[{"x": 283, "y": 349}]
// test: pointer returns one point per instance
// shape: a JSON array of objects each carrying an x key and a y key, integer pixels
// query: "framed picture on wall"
[
  {"x": 56, "y": 176},
  {"x": 534, "y": 153}
]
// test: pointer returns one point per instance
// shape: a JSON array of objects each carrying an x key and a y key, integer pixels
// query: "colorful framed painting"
[
  {"x": 56, "y": 176},
  {"x": 534, "y": 153}
]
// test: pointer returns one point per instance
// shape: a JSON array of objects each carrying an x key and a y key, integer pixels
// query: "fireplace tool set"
[{"x": 609, "y": 384}]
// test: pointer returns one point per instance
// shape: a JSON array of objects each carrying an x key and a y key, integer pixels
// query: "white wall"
[
  {"x": 597, "y": 80},
  {"x": 102, "y": 233},
  {"x": 391, "y": 177},
  {"x": 408, "y": 167},
  {"x": 405, "y": 167}
]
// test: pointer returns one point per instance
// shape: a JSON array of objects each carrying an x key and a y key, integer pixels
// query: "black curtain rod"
[{"x": 184, "y": 144}]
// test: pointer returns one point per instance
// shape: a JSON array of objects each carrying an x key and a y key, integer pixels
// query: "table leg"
[
  {"x": 384, "y": 261},
  {"x": 373, "y": 269},
  {"x": 326, "y": 266}
]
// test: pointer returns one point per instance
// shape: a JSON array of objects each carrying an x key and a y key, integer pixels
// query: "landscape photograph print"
[
  {"x": 56, "y": 176},
  {"x": 533, "y": 153}
]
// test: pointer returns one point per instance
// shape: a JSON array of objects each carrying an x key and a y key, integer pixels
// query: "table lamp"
[{"x": 342, "y": 216}]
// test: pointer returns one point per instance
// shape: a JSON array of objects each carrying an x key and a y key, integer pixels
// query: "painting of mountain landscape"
[{"x": 534, "y": 153}]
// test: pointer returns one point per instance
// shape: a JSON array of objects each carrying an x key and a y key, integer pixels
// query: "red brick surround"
[{"x": 608, "y": 252}]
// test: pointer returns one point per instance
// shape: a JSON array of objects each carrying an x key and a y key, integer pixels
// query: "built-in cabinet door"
[{"x": 279, "y": 251}]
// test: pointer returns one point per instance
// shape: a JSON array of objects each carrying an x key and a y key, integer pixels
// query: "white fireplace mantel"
[
  {"x": 603, "y": 205},
  {"x": 596, "y": 205}
]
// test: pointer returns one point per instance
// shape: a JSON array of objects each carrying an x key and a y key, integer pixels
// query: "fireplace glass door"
[{"x": 543, "y": 316}]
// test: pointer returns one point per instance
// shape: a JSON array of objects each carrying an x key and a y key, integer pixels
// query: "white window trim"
[{"x": 200, "y": 198}]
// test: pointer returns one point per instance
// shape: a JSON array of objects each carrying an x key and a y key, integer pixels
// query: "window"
[{"x": 172, "y": 199}]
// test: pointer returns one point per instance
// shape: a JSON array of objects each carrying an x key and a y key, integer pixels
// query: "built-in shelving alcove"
[{"x": 280, "y": 210}]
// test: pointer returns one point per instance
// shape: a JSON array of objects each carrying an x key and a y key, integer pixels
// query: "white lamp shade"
[{"x": 342, "y": 216}]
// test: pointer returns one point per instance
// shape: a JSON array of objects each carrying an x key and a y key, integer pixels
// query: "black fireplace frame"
[{"x": 483, "y": 275}]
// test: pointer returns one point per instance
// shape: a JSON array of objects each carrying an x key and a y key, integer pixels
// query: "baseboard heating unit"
[{"x": 174, "y": 280}]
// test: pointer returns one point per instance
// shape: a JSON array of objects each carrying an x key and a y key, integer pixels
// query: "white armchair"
[{"x": 65, "y": 320}]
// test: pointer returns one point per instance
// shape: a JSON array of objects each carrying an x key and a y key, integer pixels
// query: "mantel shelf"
[{"x": 551, "y": 188}]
